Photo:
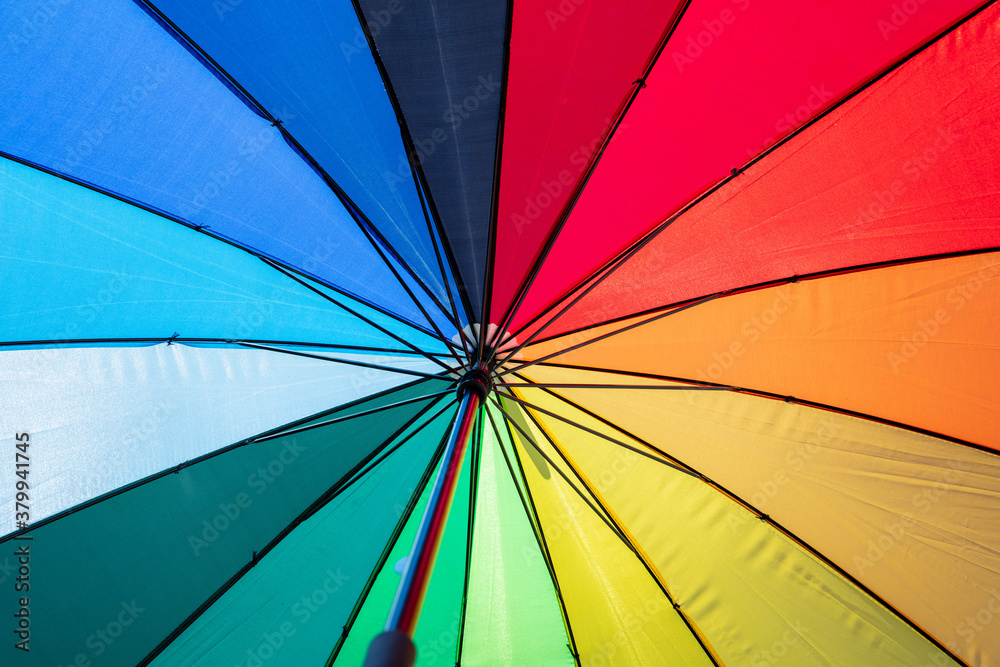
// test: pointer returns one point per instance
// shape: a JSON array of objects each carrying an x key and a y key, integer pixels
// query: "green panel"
[
  {"x": 436, "y": 637},
  {"x": 281, "y": 612},
  {"x": 513, "y": 615},
  {"x": 112, "y": 580}
]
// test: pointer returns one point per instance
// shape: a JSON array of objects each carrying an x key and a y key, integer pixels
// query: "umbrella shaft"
[{"x": 413, "y": 587}]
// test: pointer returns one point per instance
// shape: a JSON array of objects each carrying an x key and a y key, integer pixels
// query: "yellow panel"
[
  {"x": 758, "y": 596},
  {"x": 618, "y": 614},
  {"x": 918, "y": 344}
]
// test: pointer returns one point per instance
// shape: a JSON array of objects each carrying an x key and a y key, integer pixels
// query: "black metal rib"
[
  {"x": 477, "y": 448},
  {"x": 577, "y": 425},
  {"x": 356, "y": 213},
  {"x": 491, "y": 235},
  {"x": 673, "y": 462},
  {"x": 393, "y": 539},
  {"x": 559, "y": 470},
  {"x": 420, "y": 179},
  {"x": 364, "y": 413},
  {"x": 564, "y": 214},
  {"x": 776, "y": 282},
  {"x": 221, "y": 341},
  {"x": 366, "y": 320},
  {"x": 628, "y": 538},
  {"x": 536, "y": 528},
  {"x": 779, "y": 397},
  {"x": 180, "y": 466},
  {"x": 349, "y": 362},
  {"x": 201, "y": 229},
  {"x": 614, "y": 263},
  {"x": 345, "y": 482},
  {"x": 603, "y": 336}
]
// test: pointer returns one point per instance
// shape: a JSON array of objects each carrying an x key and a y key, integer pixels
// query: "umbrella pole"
[{"x": 394, "y": 647}]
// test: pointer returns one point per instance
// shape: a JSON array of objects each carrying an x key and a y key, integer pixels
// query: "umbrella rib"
[
  {"x": 777, "y": 282},
  {"x": 607, "y": 335},
  {"x": 366, "y": 320},
  {"x": 697, "y": 384},
  {"x": 531, "y": 512},
  {"x": 476, "y": 456},
  {"x": 356, "y": 214},
  {"x": 218, "y": 452},
  {"x": 344, "y": 483},
  {"x": 416, "y": 169},
  {"x": 660, "y": 387},
  {"x": 581, "y": 184},
  {"x": 562, "y": 474},
  {"x": 337, "y": 420},
  {"x": 603, "y": 436},
  {"x": 674, "y": 462},
  {"x": 229, "y": 341},
  {"x": 491, "y": 234},
  {"x": 350, "y": 362},
  {"x": 612, "y": 265},
  {"x": 393, "y": 539},
  {"x": 618, "y": 526},
  {"x": 204, "y": 229}
]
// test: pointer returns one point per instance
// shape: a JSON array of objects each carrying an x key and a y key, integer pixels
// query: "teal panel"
[
  {"x": 134, "y": 566},
  {"x": 285, "y": 610},
  {"x": 78, "y": 264},
  {"x": 436, "y": 637}
]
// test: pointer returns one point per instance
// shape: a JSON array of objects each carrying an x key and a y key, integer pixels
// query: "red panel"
[
  {"x": 572, "y": 67},
  {"x": 907, "y": 168},
  {"x": 734, "y": 75}
]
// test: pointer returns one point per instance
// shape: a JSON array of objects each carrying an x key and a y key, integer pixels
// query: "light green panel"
[{"x": 513, "y": 616}]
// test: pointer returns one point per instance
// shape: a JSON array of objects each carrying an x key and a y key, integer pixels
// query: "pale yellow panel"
[
  {"x": 754, "y": 592},
  {"x": 618, "y": 614}
]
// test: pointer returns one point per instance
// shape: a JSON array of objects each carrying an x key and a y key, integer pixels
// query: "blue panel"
[
  {"x": 78, "y": 265},
  {"x": 308, "y": 64},
  {"x": 445, "y": 62},
  {"x": 106, "y": 95}
]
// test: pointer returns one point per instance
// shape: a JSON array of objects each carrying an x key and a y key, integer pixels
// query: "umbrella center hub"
[{"x": 476, "y": 380}]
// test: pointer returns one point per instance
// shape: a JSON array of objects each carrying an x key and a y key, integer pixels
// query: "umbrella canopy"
[{"x": 689, "y": 307}]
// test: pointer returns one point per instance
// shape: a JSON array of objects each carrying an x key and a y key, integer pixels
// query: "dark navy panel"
[{"x": 445, "y": 62}]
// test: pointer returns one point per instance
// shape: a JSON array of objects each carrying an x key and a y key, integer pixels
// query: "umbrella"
[{"x": 511, "y": 333}]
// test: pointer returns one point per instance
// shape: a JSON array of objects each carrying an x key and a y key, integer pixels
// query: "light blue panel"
[
  {"x": 77, "y": 264},
  {"x": 106, "y": 95},
  {"x": 103, "y": 417},
  {"x": 307, "y": 62}
]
